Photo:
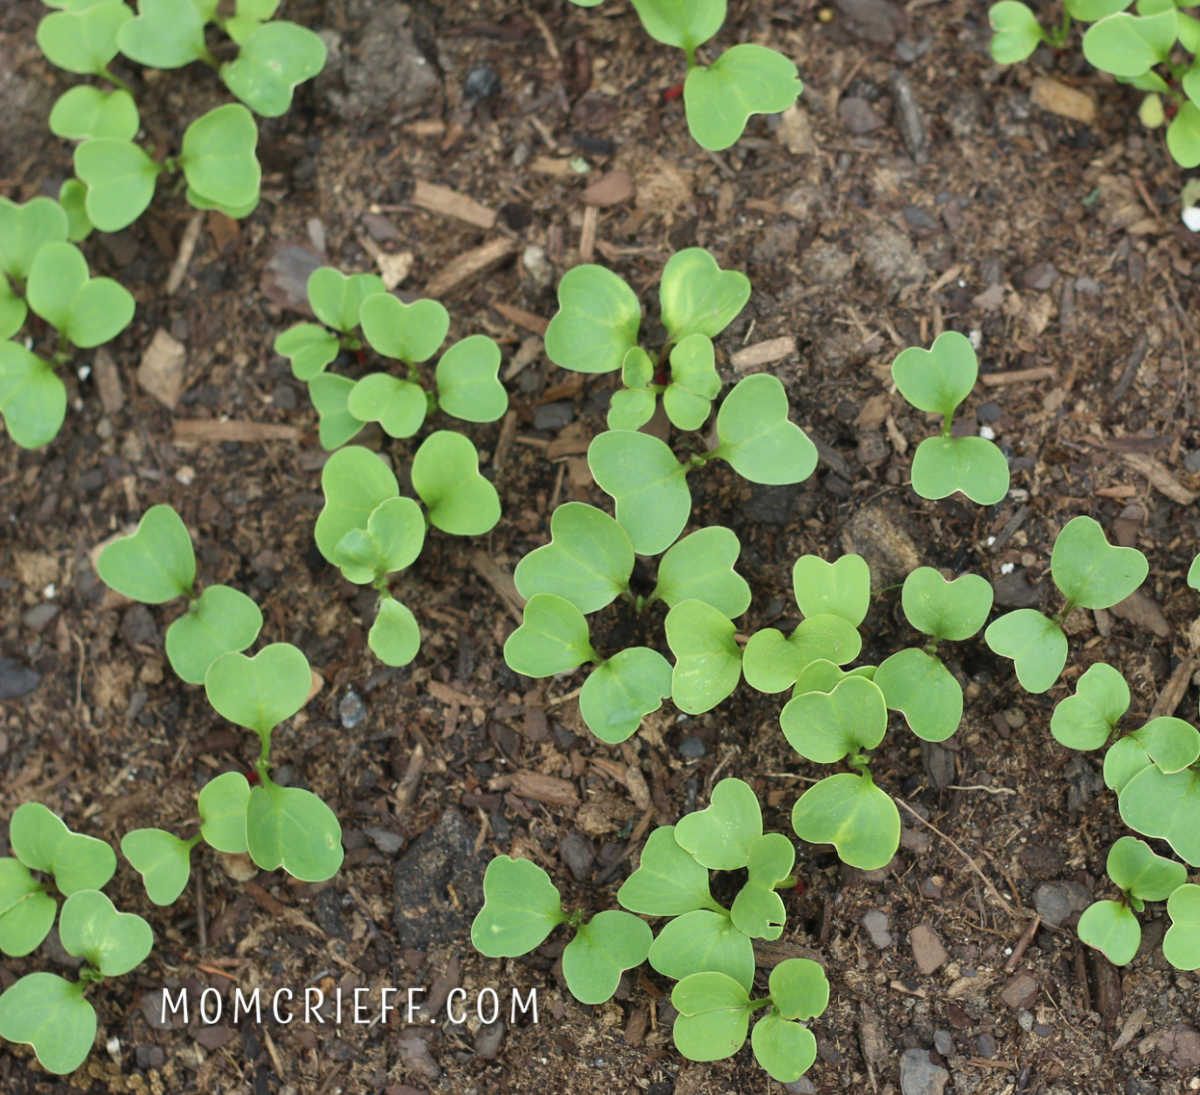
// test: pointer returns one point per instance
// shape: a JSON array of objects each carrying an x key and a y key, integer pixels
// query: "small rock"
[
  {"x": 987, "y": 1046},
  {"x": 1191, "y": 462},
  {"x": 858, "y": 116},
  {"x": 138, "y": 627},
  {"x": 943, "y": 1042},
  {"x": 1057, "y": 901},
  {"x": 488, "y": 1039},
  {"x": 352, "y": 710},
  {"x": 533, "y": 258},
  {"x": 16, "y": 679},
  {"x": 414, "y": 1053},
  {"x": 553, "y": 416},
  {"x": 39, "y": 616},
  {"x": 161, "y": 370},
  {"x": 912, "y": 49},
  {"x": 1025, "y": 1020},
  {"x": 1181, "y": 1045},
  {"x": 384, "y": 839},
  {"x": 1084, "y": 782},
  {"x": 108, "y": 381},
  {"x": 927, "y": 948},
  {"x": 876, "y": 533},
  {"x": 877, "y": 21},
  {"x": 907, "y": 116},
  {"x": 149, "y": 1057},
  {"x": 795, "y": 131},
  {"x": 1021, "y": 990},
  {"x": 1014, "y": 591},
  {"x": 939, "y": 763},
  {"x": 481, "y": 82},
  {"x": 920, "y": 221},
  {"x": 1041, "y": 276},
  {"x": 802, "y": 1086},
  {"x": 920, "y": 1076},
  {"x": 876, "y": 923},
  {"x": 379, "y": 228},
  {"x": 692, "y": 748},
  {"x": 577, "y": 853},
  {"x": 285, "y": 277},
  {"x": 612, "y": 188}
]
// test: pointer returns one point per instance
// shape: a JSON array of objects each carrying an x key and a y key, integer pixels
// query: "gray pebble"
[
  {"x": 16, "y": 679},
  {"x": 577, "y": 853},
  {"x": 40, "y": 615},
  {"x": 876, "y": 923},
  {"x": 858, "y": 116},
  {"x": 1057, "y": 901},
  {"x": 908, "y": 118},
  {"x": 352, "y": 710},
  {"x": 384, "y": 839},
  {"x": 487, "y": 1041},
  {"x": 943, "y": 1042},
  {"x": 920, "y": 1076},
  {"x": 692, "y": 748},
  {"x": 553, "y": 416}
]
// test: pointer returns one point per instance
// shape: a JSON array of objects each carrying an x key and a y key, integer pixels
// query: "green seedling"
[
  {"x": 715, "y": 1011},
  {"x": 522, "y": 907},
  {"x": 937, "y": 381},
  {"x": 718, "y": 98},
  {"x": 24, "y": 230},
  {"x": 1181, "y": 944},
  {"x": 1112, "y": 926},
  {"x": 156, "y": 564},
  {"x": 1087, "y": 719},
  {"x": 1090, "y": 573},
  {"x": 336, "y": 300},
  {"x": 162, "y": 859}
]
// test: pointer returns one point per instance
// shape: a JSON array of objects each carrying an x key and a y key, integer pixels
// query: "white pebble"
[
  {"x": 987, "y": 433},
  {"x": 1007, "y": 568},
  {"x": 1191, "y": 217}
]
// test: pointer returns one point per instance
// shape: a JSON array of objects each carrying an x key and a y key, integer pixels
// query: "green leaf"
[
  {"x": 392, "y": 541},
  {"x": 1129, "y": 45},
  {"x": 951, "y": 611},
  {"x": 354, "y": 481},
  {"x": 1193, "y": 574},
  {"x": 163, "y": 861},
  {"x": 41, "y": 841},
  {"x": 746, "y": 79},
  {"x": 1170, "y": 743},
  {"x": 1089, "y": 571},
  {"x": 697, "y": 297},
  {"x": 395, "y": 636},
  {"x": 772, "y": 663},
  {"x": 23, "y": 231},
  {"x": 166, "y": 34},
  {"x": 921, "y": 687},
  {"x": 1137, "y": 871},
  {"x": 596, "y": 323},
  {"x": 27, "y": 911},
  {"x": 445, "y": 473},
  {"x": 520, "y": 908},
  {"x": 1017, "y": 32},
  {"x": 262, "y": 691},
  {"x": 1183, "y": 136},
  {"x": 234, "y": 211},
  {"x": 758, "y": 910},
  {"x": 1090, "y": 11},
  {"x": 309, "y": 347},
  {"x": 1086, "y": 719},
  {"x": 681, "y": 23},
  {"x": 86, "y": 311},
  {"x": 221, "y": 619},
  {"x": 714, "y": 1016},
  {"x": 552, "y": 638},
  {"x": 1181, "y": 944},
  {"x": 330, "y": 395},
  {"x": 937, "y": 380},
  {"x": 218, "y": 157},
  {"x": 851, "y": 813},
  {"x": 973, "y": 465},
  {"x": 72, "y": 196},
  {"x": 700, "y": 941},
  {"x": 1111, "y": 928},
  {"x": 33, "y": 400},
  {"x": 668, "y": 882},
  {"x": 822, "y": 675},
  {"x": 799, "y": 988},
  {"x": 700, "y": 567},
  {"x": 155, "y": 563},
  {"x": 648, "y": 485},
  {"x": 221, "y": 805},
  {"x": 49, "y": 1013},
  {"x": 604, "y": 948},
  {"x": 292, "y": 828},
  {"x": 694, "y": 383},
  {"x": 826, "y": 726},
  {"x": 111, "y": 942},
  {"x": 841, "y": 588},
  {"x": 720, "y": 836},
  {"x": 86, "y": 111},
  {"x": 588, "y": 561},
  {"x": 337, "y": 300},
  {"x": 120, "y": 180},
  {"x": 1036, "y": 645},
  {"x": 708, "y": 660},
  {"x": 468, "y": 384},
  {"x": 83, "y": 40},
  {"x": 621, "y": 691},
  {"x": 786, "y": 1050},
  {"x": 407, "y": 332},
  {"x": 272, "y": 60},
  {"x": 399, "y": 406},
  {"x": 1156, "y": 804},
  {"x": 1125, "y": 758},
  {"x": 756, "y": 437},
  {"x": 12, "y": 310},
  {"x": 633, "y": 406}
]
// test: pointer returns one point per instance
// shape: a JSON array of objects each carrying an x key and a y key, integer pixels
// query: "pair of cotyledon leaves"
[{"x": 718, "y": 98}]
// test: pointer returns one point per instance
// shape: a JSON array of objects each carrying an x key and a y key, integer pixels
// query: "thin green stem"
[
  {"x": 691, "y": 56},
  {"x": 787, "y": 884},
  {"x": 1067, "y": 609},
  {"x": 116, "y": 81},
  {"x": 947, "y": 424},
  {"x": 754, "y": 1005},
  {"x": 1058, "y": 36},
  {"x": 263, "y": 764}
]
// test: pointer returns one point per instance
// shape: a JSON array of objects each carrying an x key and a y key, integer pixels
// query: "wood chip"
[
  {"x": 587, "y": 234},
  {"x": 196, "y": 431},
  {"x": 450, "y": 203},
  {"x": 161, "y": 370},
  {"x": 500, "y": 581},
  {"x": 522, "y": 318},
  {"x": 468, "y": 264},
  {"x": 547, "y": 165},
  {"x": 611, "y": 188},
  {"x": 108, "y": 381},
  {"x": 1017, "y": 376},
  {"x": 763, "y": 353},
  {"x": 1160, "y": 478},
  {"x": 394, "y": 266},
  {"x": 1062, "y": 100},
  {"x": 1143, "y": 611},
  {"x": 445, "y": 693},
  {"x": 535, "y": 785},
  {"x": 187, "y": 246}
]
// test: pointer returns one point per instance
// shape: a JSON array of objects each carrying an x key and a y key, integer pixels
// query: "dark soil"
[{"x": 918, "y": 187}]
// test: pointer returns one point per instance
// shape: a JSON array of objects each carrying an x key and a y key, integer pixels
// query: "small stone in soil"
[
  {"x": 1021, "y": 990},
  {"x": 487, "y": 1041},
  {"x": 352, "y": 710},
  {"x": 1056, "y": 901},
  {"x": 943, "y": 1042},
  {"x": 577, "y": 853},
  {"x": 927, "y": 948},
  {"x": 692, "y": 748},
  {"x": 876, "y": 923},
  {"x": 384, "y": 839},
  {"x": 16, "y": 679},
  {"x": 481, "y": 83},
  {"x": 553, "y": 416},
  {"x": 920, "y": 1076}
]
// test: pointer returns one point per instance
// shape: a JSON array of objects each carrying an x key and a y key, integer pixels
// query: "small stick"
[
  {"x": 1026, "y": 938},
  {"x": 1017, "y": 376},
  {"x": 187, "y": 247}
]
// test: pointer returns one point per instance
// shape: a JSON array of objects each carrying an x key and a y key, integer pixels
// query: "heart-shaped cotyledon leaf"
[
  {"x": 1035, "y": 643},
  {"x": 166, "y": 34},
  {"x": 13, "y": 310},
  {"x": 163, "y": 861},
  {"x": 221, "y": 619},
  {"x": 841, "y": 588},
  {"x": 86, "y": 111},
  {"x": 1089, "y": 571},
  {"x": 720, "y": 836},
  {"x": 1181, "y": 944},
  {"x": 597, "y": 321},
  {"x": 399, "y": 406},
  {"x": 336, "y": 299},
  {"x": 1183, "y": 135},
  {"x": 947, "y": 610},
  {"x": 756, "y": 437},
  {"x": 920, "y": 686},
  {"x": 218, "y": 157},
  {"x": 632, "y": 406},
  {"x": 86, "y": 311},
  {"x": 703, "y": 940},
  {"x": 221, "y": 805},
  {"x": 272, "y": 60},
  {"x": 111, "y": 942},
  {"x": 23, "y": 231},
  {"x": 26, "y": 911},
  {"x": 826, "y": 726},
  {"x": 445, "y": 474},
  {"x": 72, "y": 196},
  {"x": 50, "y": 1014},
  {"x": 973, "y": 465},
  {"x": 552, "y": 638},
  {"x": 648, "y": 485},
  {"x": 309, "y": 347},
  {"x": 786, "y": 1050},
  {"x": 407, "y": 332},
  {"x": 758, "y": 909},
  {"x": 746, "y": 79},
  {"x": 395, "y": 636},
  {"x": 292, "y": 828},
  {"x": 694, "y": 383},
  {"x": 680, "y": 23},
  {"x": 1137, "y": 871},
  {"x": 33, "y": 400},
  {"x": 1113, "y": 929},
  {"x": 621, "y": 691},
  {"x": 83, "y": 39},
  {"x": 354, "y": 480},
  {"x": 700, "y": 567},
  {"x": 262, "y": 691},
  {"x": 330, "y": 395},
  {"x": 1166, "y": 806},
  {"x": 520, "y": 908},
  {"x": 697, "y": 297},
  {"x": 851, "y": 813},
  {"x": 668, "y": 881},
  {"x": 772, "y": 662},
  {"x": 708, "y": 660},
  {"x": 392, "y": 541},
  {"x": 605, "y": 947},
  {"x": 1087, "y": 719},
  {"x": 937, "y": 380},
  {"x": 588, "y": 561},
  {"x": 153, "y": 564},
  {"x": 1128, "y": 45},
  {"x": 1016, "y": 32},
  {"x": 714, "y": 1016},
  {"x": 468, "y": 384},
  {"x": 120, "y": 180},
  {"x": 799, "y": 988},
  {"x": 41, "y": 841}
]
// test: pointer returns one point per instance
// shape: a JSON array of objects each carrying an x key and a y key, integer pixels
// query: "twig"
[
  {"x": 981, "y": 787},
  {"x": 187, "y": 247},
  {"x": 1026, "y": 937}
]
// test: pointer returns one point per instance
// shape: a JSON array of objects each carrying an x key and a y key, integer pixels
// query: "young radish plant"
[{"x": 718, "y": 98}]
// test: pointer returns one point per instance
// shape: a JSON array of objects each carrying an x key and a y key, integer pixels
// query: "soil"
[{"x": 916, "y": 187}]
